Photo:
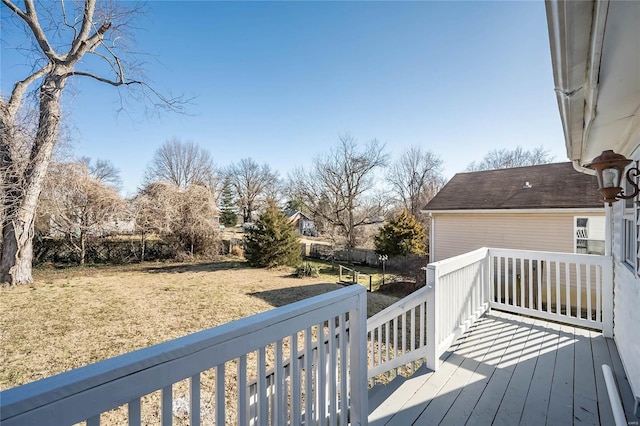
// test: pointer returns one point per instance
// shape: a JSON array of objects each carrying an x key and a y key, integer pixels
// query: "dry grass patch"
[{"x": 73, "y": 317}]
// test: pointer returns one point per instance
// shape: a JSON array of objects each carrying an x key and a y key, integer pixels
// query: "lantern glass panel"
[{"x": 610, "y": 178}]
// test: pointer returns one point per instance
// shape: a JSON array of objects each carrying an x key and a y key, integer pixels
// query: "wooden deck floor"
[{"x": 509, "y": 370}]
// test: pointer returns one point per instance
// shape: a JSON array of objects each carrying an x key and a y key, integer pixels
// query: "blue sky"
[{"x": 279, "y": 82}]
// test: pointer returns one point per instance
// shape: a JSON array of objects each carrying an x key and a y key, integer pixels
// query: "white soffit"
[
  {"x": 617, "y": 119},
  {"x": 595, "y": 50}
]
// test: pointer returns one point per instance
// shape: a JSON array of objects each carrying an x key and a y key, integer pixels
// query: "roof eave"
[{"x": 520, "y": 210}]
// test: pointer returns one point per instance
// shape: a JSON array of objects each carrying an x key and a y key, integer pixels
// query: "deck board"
[
  {"x": 512, "y": 405},
  {"x": 510, "y": 370},
  {"x": 435, "y": 412},
  {"x": 585, "y": 398},
  {"x": 536, "y": 405},
  {"x": 464, "y": 404},
  {"x": 485, "y": 410},
  {"x": 560, "y": 411}
]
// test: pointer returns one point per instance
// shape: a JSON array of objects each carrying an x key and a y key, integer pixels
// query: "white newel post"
[
  {"x": 607, "y": 298},
  {"x": 358, "y": 362},
  {"x": 488, "y": 281},
  {"x": 432, "y": 315}
]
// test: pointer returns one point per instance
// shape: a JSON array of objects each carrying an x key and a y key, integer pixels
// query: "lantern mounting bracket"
[{"x": 610, "y": 167}]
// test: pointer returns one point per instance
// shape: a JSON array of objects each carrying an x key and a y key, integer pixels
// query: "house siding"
[
  {"x": 626, "y": 315},
  {"x": 459, "y": 233}
]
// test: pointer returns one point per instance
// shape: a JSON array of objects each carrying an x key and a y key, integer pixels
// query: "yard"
[{"x": 77, "y": 316}]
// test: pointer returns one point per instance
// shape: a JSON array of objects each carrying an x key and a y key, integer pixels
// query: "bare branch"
[
  {"x": 505, "y": 159},
  {"x": 180, "y": 163},
  {"x": 64, "y": 19},
  {"x": 31, "y": 19},
  {"x": 88, "y": 44},
  {"x": 87, "y": 23},
  {"x": 20, "y": 88}
]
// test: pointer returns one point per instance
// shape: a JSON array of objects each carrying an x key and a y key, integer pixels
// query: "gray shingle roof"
[{"x": 556, "y": 185}]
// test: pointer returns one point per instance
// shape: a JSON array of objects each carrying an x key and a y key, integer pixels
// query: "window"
[
  {"x": 590, "y": 235},
  {"x": 630, "y": 236}
]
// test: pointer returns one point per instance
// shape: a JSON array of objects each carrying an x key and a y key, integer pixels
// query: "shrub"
[
  {"x": 307, "y": 270},
  {"x": 272, "y": 241},
  {"x": 401, "y": 236},
  {"x": 100, "y": 251},
  {"x": 236, "y": 251}
]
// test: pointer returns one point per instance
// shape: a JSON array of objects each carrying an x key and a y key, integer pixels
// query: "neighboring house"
[
  {"x": 302, "y": 223},
  {"x": 595, "y": 51},
  {"x": 549, "y": 207}
]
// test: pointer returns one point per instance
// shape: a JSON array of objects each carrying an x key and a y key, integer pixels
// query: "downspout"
[{"x": 579, "y": 168}]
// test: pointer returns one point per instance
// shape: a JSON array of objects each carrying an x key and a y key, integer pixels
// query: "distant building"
[
  {"x": 302, "y": 223},
  {"x": 549, "y": 207}
]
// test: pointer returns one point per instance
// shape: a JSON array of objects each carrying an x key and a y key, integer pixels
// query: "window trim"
[{"x": 630, "y": 242}]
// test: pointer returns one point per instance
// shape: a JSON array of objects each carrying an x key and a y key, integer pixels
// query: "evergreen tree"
[
  {"x": 272, "y": 241},
  {"x": 401, "y": 236},
  {"x": 294, "y": 205},
  {"x": 228, "y": 215}
]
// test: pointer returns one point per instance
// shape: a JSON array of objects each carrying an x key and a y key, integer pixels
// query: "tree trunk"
[
  {"x": 83, "y": 247},
  {"x": 142, "y": 244},
  {"x": 17, "y": 253},
  {"x": 25, "y": 187}
]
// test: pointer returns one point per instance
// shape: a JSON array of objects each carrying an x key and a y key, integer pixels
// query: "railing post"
[
  {"x": 488, "y": 278},
  {"x": 340, "y": 273},
  {"x": 433, "y": 361},
  {"x": 607, "y": 297},
  {"x": 358, "y": 409}
]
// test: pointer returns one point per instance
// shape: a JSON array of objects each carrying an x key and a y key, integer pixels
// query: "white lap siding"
[{"x": 457, "y": 233}]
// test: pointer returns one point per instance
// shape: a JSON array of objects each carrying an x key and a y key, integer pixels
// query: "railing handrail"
[
  {"x": 590, "y": 259},
  {"x": 396, "y": 309},
  {"x": 85, "y": 380},
  {"x": 445, "y": 266}
]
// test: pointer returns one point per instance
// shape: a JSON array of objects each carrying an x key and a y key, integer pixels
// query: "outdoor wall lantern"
[{"x": 609, "y": 168}]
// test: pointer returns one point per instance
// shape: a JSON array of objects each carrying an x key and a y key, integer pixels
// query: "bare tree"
[
  {"x": 506, "y": 159},
  {"x": 337, "y": 189},
  {"x": 415, "y": 178},
  {"x": 185, "y": 215},
  {"x": 181, "y": 163},
  {"x": 78, "y": 205},
  {"x": 103, "y": 171},
  {"x": 64, "y": 36},
  {"x": 153, "y": 210},
  {"x": 253, "y": 185}
]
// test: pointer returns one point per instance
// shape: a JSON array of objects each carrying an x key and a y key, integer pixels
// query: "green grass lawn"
[{"x": 330, "y": 272}]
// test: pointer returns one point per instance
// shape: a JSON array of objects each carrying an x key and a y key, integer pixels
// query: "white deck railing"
[
  {"x": 575, "y": 289},
  {"x": 330, "y": 387},
  {"x": 397, "y": 335},
  {"x": 459, "y": 293},
  {"x": 570, "y": 288}
]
